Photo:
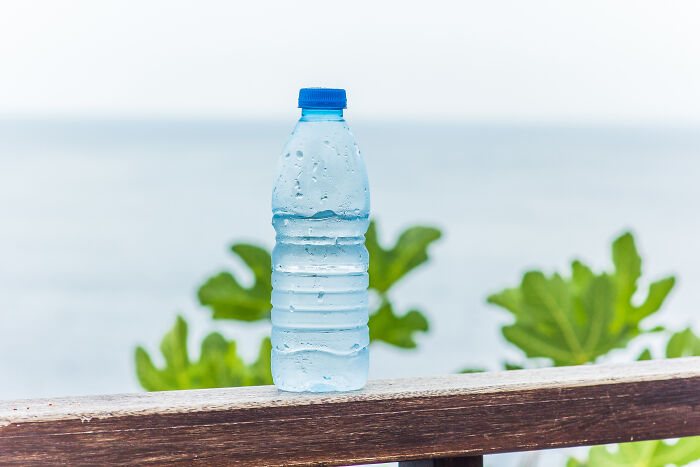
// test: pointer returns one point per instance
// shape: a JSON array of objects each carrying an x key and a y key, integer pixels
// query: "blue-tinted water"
[
  {"x": 320, "y": 205},
  {"x": 320, "y": 336}
]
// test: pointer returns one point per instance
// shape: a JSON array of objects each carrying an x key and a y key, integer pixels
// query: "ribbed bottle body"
[{"x": 320, "y": 210}]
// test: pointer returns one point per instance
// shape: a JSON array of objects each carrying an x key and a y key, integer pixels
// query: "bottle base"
[{"x": 317, "y": 371}]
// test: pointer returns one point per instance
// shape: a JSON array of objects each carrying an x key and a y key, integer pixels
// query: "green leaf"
[
  {"x": 547, "y": 323},
  {"x": 385, "y": 326},
  {"x": 148, "y": 375},
  {"x": 472, "y": 370},
  {"x": 386, "y": 267},
  {"x": 581, "y": 276},
  {"x": 219, "y": 365},
  {"x": 576, "y": 320},
  {"x": 510, "y": 299},
  {"x": 683, "y": 452},
  {"x": 645, "y": 355},
  {"x": 598, "y": 302},
  {"x": 174, "y": 346},
  {"x": 658, "y": 291},
  {"x": 683, "y": 344},
  {"x": 628, "y": 269},
  {"x": 653, "y": 453},
  {"x": 230, "y": 300},
  {"x": 643, "y": 454}
]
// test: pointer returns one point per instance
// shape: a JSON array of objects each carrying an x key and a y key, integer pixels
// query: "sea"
[{"x": 108, "y": 227}]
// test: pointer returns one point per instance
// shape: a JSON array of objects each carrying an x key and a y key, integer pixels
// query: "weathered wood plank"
[{"x": 411, "y": 419}]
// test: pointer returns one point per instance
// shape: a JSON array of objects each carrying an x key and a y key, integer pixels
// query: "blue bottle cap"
[{"x": 322, "y": 98}]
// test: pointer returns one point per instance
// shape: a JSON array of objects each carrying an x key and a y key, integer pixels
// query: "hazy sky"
[{"x": 623, "y": 61}]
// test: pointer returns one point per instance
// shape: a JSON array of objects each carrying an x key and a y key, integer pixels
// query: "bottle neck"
[{"x": 321, "y": 115}]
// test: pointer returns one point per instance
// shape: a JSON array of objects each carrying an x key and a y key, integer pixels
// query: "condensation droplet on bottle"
[{"x": 328, "y": 244}]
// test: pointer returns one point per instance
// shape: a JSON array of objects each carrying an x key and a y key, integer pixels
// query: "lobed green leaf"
[
  {"x": 386, "y": 267},
  {"x": 643, "y": 454},
  {"x": 575, "y": 320},
  {"x": 652, "y": 453},
  {"x": 683, "y": 344},
  {"x": 387, "y": 327},
  {"x": 230, "y": 300},
  {"x": 218, "y": 366}
]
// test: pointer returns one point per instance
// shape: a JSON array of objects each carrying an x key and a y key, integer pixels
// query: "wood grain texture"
[{"x": 390, "y": 420}]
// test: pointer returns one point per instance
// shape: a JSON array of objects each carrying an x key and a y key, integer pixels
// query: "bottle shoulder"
[{"x": 321, "y": 169}]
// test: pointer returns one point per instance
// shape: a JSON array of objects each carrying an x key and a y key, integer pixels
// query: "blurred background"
[{"x": 139, "y": 139}]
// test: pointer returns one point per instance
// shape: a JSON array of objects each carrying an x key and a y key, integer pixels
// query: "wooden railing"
[{"x": 451, "y": 420}]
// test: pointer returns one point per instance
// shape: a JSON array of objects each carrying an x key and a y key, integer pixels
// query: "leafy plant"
[
  {"x": 642, "y": 454},
  {"x": 219, "y": 365},
  {"x": 224, "y": 295},
  {"x": 575, "y": 320},
  {"x": 385, "y": 326},
  {"x": 681, "y": 344},
  {"x": 230, "y": 300},
  {"x": 387, "y": 267},
  {"x": 656, "y": 453}
]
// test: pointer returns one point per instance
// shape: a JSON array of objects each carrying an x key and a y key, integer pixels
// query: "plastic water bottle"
[{"x": 320, "y": 212}]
